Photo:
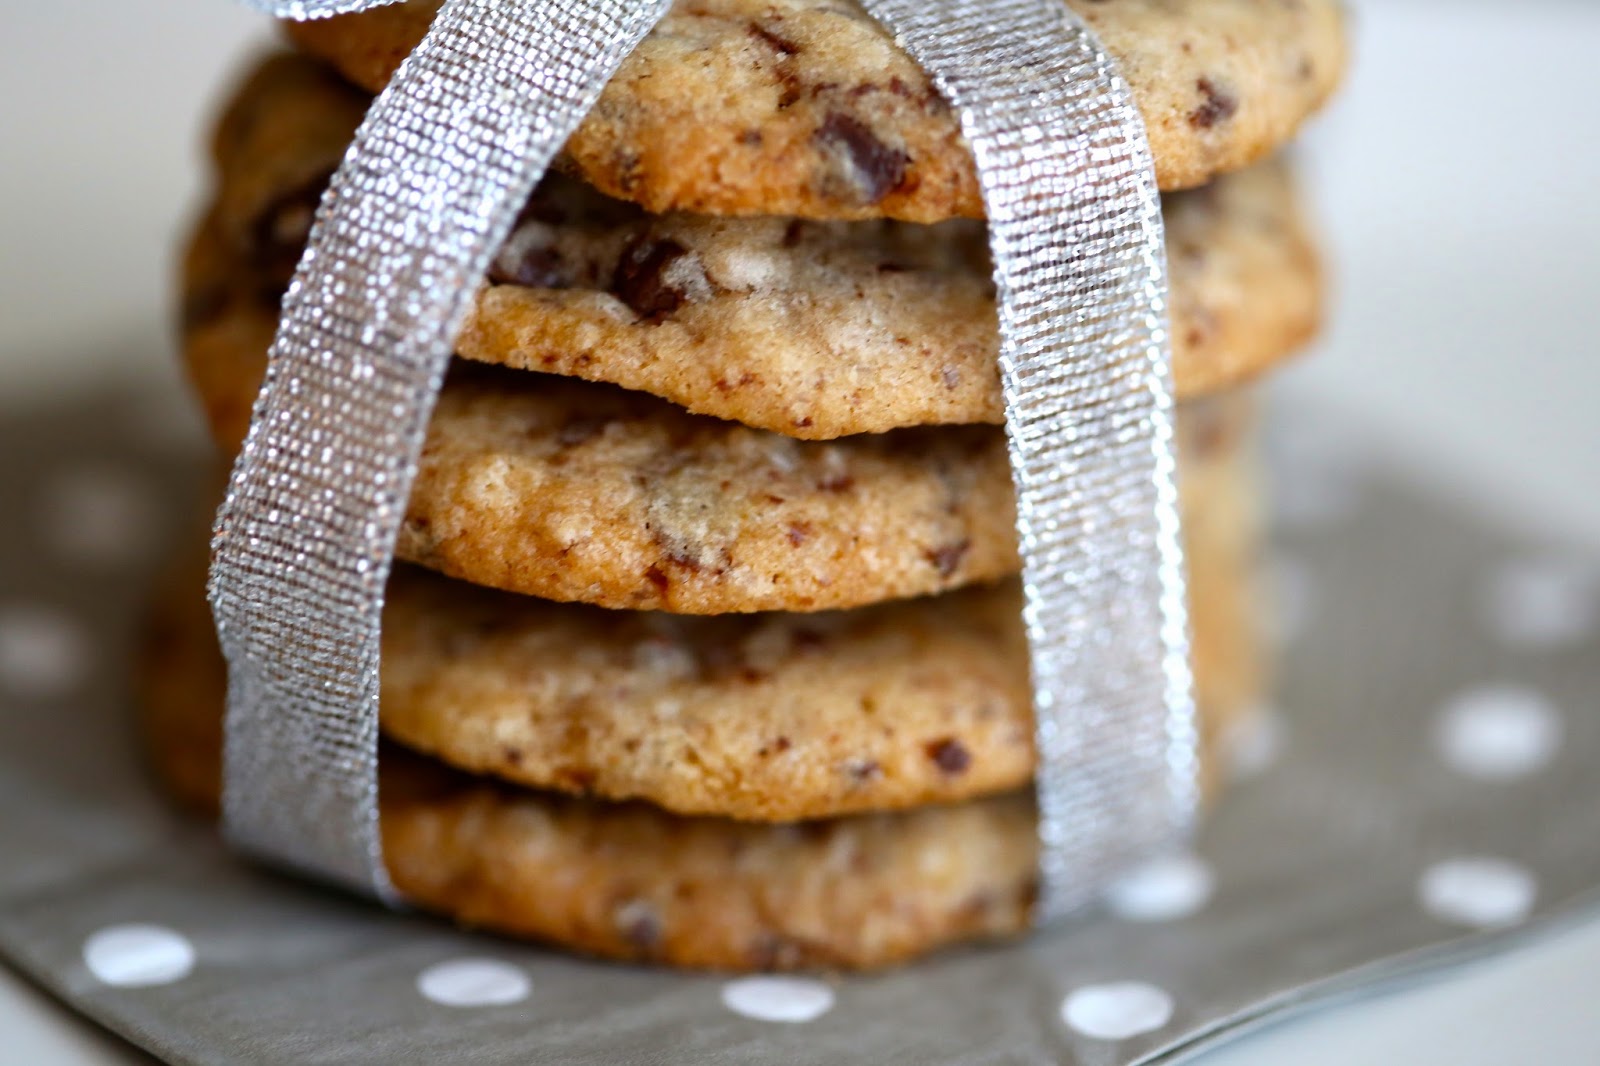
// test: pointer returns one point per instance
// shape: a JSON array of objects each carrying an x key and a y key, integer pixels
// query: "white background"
[{"x": 1458, "y": 180}]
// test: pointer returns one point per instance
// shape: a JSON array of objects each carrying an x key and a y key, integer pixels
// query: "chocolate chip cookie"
[
  {"x": 807, "y": 108},
  {"x": 812, "y": 329}
]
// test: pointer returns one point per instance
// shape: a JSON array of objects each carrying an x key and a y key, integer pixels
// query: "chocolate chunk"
[
  {"x": 640, "y": 923},
  {"x": 202, "y": 303},
  {"x": 576, "y": 778},
  {"x": 1217, "y": 106},
  {"x": 778, "y": 43},
  {"x": 807, "y": 639},
  {"x": 281, "y": 230},
  {"x": 527, "y": 258},
  {"x": 656, "y": 277},
  {"x": 837, "y": 483},
  {"x": 769, "y": 951},
  {"x": 581, "y": 430},
  {"x": 861, "y": 771},
  {"x": 948, "y": 558},
  {"x": 876, "y": 168},
  {"x": 949, "y": 755}
]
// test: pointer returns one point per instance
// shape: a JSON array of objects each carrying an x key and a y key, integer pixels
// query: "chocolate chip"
[
  {"x": 581, "y": 430},
  {"x": 792, "y": 233},
  {"x": 640, "y": 923},
  {"x": 683, "y": 559},
  {"x": 280, "y": 231},
  {"x": 799, "y": 533},
  {"x": 527, "y": 258},
  {"x": 779, "y": 43},
  {"x": 202, "y": 303},
  {"x": 769, "y": 951},
  {"x": 861, "y": 771},
  {"x": 807, "y": 639},
  {"x": 1217, "y": 106},
  {"x": 660, "y": 580},
  {"x": 876, "y": 168},
  {"x": 656, "y": 277},
  {"x": 949, "y": 755},
  {"x": 575, "y": 778},
  {"x": 837, "y": 483},
  {"x": 948, "y": 558}
]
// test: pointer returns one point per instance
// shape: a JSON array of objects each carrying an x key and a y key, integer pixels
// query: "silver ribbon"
[
  {"x": 1076, "y": 234},
  {"x": 305, "y": 538},
  {"x": 450, "y": 151}
]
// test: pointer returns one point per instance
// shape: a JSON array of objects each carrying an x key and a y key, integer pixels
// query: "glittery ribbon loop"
[
  {"x": 1080, "y": 269},
  {"x": 305, "y": 538},
  {"x": 444, "y": 160}
]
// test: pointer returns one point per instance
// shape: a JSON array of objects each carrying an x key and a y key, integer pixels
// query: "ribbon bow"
[{"x": 447, "y": 155}]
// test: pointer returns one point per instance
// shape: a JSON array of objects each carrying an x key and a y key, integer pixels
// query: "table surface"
[{"x": 1461, "y": 342}]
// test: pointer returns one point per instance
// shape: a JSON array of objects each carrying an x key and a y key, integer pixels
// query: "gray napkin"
[{"x": 1422, "y": 793}]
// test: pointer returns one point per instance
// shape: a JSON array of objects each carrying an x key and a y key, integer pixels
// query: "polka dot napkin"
[{"x": 1423, "y": 790}]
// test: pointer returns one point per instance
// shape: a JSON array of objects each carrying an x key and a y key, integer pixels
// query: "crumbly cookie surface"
[
  {"x": 771, "y": 717},
  {"x": 806, "y": 107},
  {"x": 630, "y": 881},
  {"x": 579, "y": 492},
  {"x": 812, "y": 329}
]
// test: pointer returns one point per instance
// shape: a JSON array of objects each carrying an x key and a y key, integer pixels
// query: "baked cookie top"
[
  {"x": 580, "y": 492},
  {"x": 812, "y": 329},
  {"x": 631, "y": 881},
  {"x": 807, "y": 108},
  {"x": 768, "y": 717}
]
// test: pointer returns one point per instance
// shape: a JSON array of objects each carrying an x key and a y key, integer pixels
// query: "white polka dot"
[
  {"x": 474, "y": 982},
  {"x": 1480, "y": 893},
  {"x": 42, "y": 652},
  {"x": 778, "y": 999},
  {"x": 1253, "y": 742},
  {"x": 1498, "y": 732},
  {"x": 1162, "y": 890},
  {"x": 1541, "y": 602},
  {"x": 98, "y": 515},
  {"x": 138, "y": 956},
  {"x": 1293, "y": 599},
  {"x": 1117, "y": 1011}
]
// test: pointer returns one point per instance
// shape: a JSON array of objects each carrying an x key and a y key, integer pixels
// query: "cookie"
[
  {"x": 812, "y": 329},
  {"x": 580, "y": 492},
  {"x": 807, "y": 108},
  {"x": 631, "y": 881},
  {"x": 773, "y": 717}
]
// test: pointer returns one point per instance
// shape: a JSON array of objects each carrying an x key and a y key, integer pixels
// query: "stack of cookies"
[{"x": 704, "y": 646}]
